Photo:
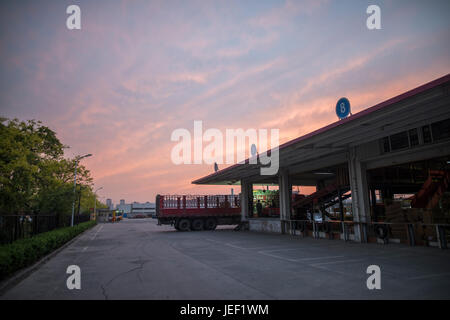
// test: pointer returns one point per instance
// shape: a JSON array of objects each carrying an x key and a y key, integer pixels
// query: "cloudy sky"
[{"x": 137, "y": 70}]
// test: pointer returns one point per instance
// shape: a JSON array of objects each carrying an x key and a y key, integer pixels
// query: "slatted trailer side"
[{"x": 197, "y": 212}]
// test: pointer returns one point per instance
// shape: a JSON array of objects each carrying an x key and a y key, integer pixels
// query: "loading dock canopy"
[{"x": 330, "y": 146}]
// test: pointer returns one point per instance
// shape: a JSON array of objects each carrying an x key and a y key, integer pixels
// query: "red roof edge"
[{"x": 429, "y": 85}]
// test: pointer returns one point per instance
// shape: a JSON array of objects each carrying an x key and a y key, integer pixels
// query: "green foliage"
[
  {"x": 24, "y": 252},
  {"x": 34, "y": 175}
]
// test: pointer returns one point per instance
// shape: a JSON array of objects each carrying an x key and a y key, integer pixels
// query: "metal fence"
[
  {"x": 437, "y": 235},
  {"x": 14, "y": 227}
]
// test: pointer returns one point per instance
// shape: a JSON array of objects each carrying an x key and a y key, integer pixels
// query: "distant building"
[
  {"x": 109, "y": 204},
  {"x": 146, "y": 209},
  {"x": 136, "y": 208},
  {"x": 124, "y": 207}
]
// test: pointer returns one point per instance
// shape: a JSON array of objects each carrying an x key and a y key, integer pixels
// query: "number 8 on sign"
[{"x": 342, "y": 108}]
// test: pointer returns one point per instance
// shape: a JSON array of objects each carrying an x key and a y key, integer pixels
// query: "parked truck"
[{"x": 195, "y": 212}]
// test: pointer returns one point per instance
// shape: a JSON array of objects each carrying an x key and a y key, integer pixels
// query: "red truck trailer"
[{"x": 193, "y": 212}]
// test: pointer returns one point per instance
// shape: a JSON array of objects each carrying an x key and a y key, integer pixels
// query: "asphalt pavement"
[{"x": 136, "y": 259}]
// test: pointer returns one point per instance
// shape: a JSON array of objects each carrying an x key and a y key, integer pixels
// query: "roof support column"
[
  {"x": 360, "y": 194},
  {"x": 285, "y": 192},
  {"x": 246, "y": 199}
]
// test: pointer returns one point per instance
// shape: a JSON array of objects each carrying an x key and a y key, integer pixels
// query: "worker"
[{"x": 259, "y": 209}]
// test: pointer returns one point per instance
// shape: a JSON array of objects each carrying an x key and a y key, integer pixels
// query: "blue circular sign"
[{"x": 342, "y": 108}]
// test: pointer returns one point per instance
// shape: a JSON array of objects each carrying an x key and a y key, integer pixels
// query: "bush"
[{"x": 25, "y": 252}]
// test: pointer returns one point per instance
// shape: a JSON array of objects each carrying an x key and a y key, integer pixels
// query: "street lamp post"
[
  {"x": 95, "y": 201},
  {"x": 77, "y": 159}
]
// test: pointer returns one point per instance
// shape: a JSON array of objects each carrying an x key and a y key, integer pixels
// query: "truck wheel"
[
  {"x": 197, "y": 225},
  {"x": 210, "y": 224},
  {"x": 184, "y": 225}
]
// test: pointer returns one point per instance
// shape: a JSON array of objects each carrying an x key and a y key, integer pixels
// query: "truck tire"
[
  {"x": 184, "y": 225},
  {"x": 210, "y": 224},
  {"x": 197, "y": 225}
]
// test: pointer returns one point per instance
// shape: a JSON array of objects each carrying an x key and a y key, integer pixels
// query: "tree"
[{"x": 34, "y": 175}]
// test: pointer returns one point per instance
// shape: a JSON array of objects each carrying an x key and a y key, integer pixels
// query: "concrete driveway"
[{"x": 136, "y": 259}]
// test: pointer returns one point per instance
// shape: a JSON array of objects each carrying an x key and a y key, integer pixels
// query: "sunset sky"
[{"x": 137, "y": 70}]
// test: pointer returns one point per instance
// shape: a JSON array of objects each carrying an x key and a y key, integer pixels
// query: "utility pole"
[
  {"x": 95, "y": 201},
  {"x": 77, "y": 159},
  {"x": 79, "y": 199}
]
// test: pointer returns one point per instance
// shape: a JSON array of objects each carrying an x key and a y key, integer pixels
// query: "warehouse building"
[{"x": 381, "y": 175}]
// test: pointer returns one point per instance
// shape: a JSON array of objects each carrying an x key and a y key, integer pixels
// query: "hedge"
[{"x": 24, "y": 252}]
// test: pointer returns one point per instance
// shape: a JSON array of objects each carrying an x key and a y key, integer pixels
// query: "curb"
[{"x": 20, "y": 275}]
